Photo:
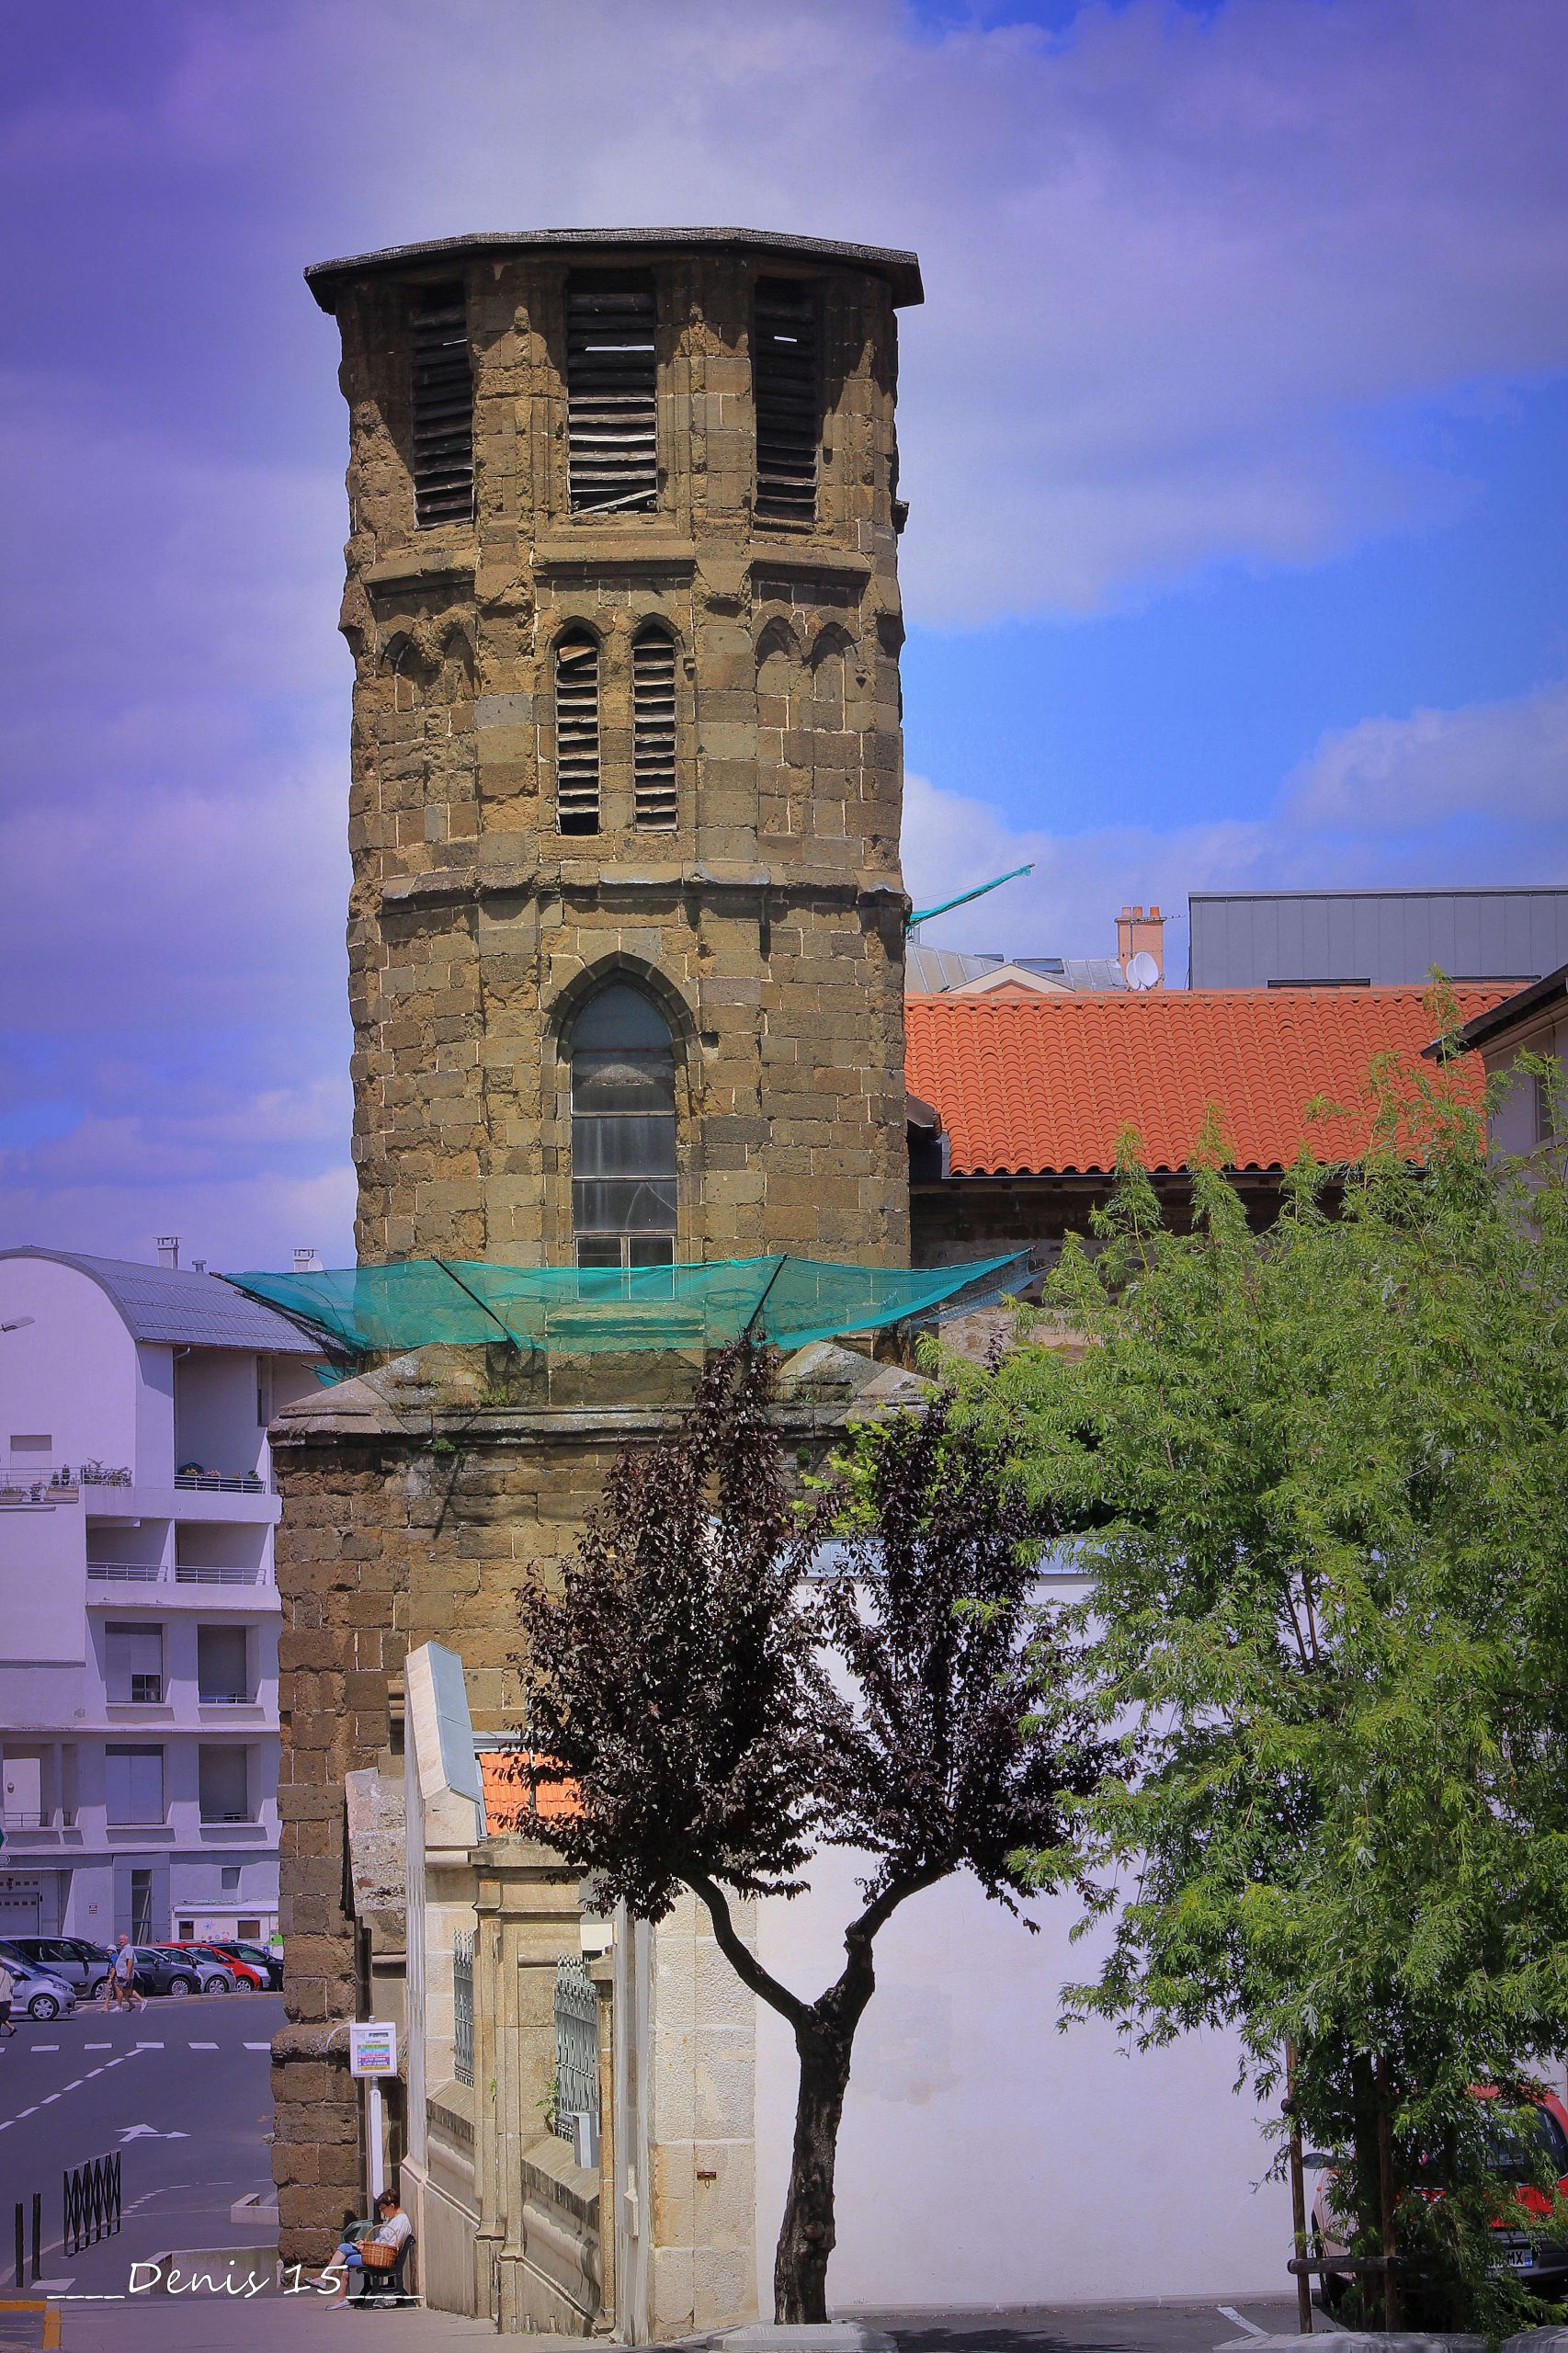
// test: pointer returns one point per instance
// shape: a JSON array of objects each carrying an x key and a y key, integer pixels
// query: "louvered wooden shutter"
[
  {"x": 786, "y": 380},
  {"x": 611, "y": 425},
  {"x": 577, "y": 734},
  {"x": 653, "y": 727},
  {"x": 443, "y": 408}
]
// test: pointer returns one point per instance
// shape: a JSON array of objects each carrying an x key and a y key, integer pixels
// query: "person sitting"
[{"x": 390, "y": 2229}]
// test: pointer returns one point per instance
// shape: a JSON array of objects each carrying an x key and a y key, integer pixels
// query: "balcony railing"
[
  {"x": 182, "y": 1573},
  {"x": 212, "y": 1816},
  {"x": 58, "y": 1817},
  {"x": 224, "y": 1482},
  {"x": 226, "y": 1698}
]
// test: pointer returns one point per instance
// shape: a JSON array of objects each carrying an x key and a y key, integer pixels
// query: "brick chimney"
[{"x": 1138, "y": 932}]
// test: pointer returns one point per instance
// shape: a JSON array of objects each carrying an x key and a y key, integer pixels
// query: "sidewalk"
[{"x": 273, "y": 2325}]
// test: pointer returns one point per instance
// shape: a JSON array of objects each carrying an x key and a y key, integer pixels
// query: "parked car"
[
  {"x": 82, "y": 1964},
  {"x": 158, "y": 1972},
  {"x": 267, "y": 1965},
  {"x": 36, "y": 1995},
  {"x": 247, "y": 1978},
  {"x": 1539, "y": 2265}
]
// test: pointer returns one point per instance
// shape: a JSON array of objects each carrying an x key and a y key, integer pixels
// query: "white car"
[{"x": 36, "y": 1994}]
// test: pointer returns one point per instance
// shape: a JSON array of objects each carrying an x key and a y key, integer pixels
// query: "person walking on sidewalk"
[
  {"x": 122, "y": 1991},
  {"x": 8, "y": 1994}
]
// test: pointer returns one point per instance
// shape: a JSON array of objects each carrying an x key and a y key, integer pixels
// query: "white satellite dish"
[{"x": 1143, "y": 973}]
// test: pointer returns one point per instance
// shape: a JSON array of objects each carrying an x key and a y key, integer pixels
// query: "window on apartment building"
[
  {"x": 229, "y": 1879},
  {"x": 223, "y": 1783},
  {"x": 133, "y": 1664},
  {"x": 623, "y": 1132},
  {"x": 222, "y": 1664},
  {"x": 787, "y": 389},
  {"x": 1545, "y": 1117},
  {"x": 653, "y": 725},
  {"x": 611, "y": 392},
  {"x": 141, "y": 1907},
  {"x": 250, "y": 1930},
  {"x": 577, "y": 733},
  {"x": 442, "y": 406},
  {"x": 133, "y": 1783}
]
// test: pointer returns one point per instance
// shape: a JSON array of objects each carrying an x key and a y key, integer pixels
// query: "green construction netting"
[{"x": 465, "y": 1302}]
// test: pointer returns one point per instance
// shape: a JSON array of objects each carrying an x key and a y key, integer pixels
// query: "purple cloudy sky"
[{"x": 1234, "y": 428}]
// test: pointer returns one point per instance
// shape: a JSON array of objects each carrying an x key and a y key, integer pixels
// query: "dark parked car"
[
  {"x": 80, "y": 1963},
  {"x": 267, "y": 1965},
  {"x": 165, "y": 1972}
]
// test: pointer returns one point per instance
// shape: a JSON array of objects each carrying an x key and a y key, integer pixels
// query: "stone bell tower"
[{"x": 626, "y": 935}]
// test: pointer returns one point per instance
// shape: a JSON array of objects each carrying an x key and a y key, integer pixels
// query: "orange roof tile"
[
  {"x": 1044, "y": 1085},
  {"x": 506, "y": 1792}
]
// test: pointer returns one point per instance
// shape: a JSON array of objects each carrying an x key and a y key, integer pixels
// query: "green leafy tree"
[
  {"x": 1321, "y": 1473},
  {"x": 722, "y": 1710}
]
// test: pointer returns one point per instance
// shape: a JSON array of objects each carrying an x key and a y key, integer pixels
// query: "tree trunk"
[{"x": 806, "y": 2238}]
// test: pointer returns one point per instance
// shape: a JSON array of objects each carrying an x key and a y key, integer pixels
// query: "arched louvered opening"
[
  {"x": 577, "y": 733},
  {"x": 611, "y": 391},
  {"x": 787, "y": 387},
  {"x": 653, "y": 726},
  {"x": 623, "y": 1132},
  {"x": 443, "y": 407}
]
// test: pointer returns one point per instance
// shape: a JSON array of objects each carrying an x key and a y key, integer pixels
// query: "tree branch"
[{"x": 742, "y": 1959}]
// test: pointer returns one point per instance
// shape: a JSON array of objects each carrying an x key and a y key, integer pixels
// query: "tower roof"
[{"x": 902, "y": 270}]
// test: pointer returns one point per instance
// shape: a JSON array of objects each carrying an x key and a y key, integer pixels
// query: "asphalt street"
[{"x": 180, "y": 2089}]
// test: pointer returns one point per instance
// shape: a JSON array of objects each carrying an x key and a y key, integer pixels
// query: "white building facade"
[{"x": 139, "y": 1613}]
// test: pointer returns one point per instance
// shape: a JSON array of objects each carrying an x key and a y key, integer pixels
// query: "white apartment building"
[{"x": 139, "y": 1611}]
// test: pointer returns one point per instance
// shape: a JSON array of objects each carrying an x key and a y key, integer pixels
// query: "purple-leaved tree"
[{"x": 722, "y": 1712}]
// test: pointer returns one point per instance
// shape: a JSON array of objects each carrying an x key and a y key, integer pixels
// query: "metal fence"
[
  {"x": 92, "y": 2202},
  {"x": 462, "y": 2006},
  {"x": 576, "y": 2116}
]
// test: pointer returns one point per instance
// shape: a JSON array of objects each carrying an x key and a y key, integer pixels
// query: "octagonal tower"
[{"x": 626, "y": 934}]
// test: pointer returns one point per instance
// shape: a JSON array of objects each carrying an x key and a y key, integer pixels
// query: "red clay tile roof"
[
  {"x": 507, "y": 1793},
  {"x": 1044, "y": 1085}
]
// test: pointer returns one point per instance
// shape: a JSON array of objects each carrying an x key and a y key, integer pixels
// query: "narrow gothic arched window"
[
  {"x": 623, "y": 1132},
  {"x": 577, "y": 733}
]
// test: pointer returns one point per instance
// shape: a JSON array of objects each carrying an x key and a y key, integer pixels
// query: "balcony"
[
  {"x": 58, "y": 1817},
  {"x": 223, "y": 1584},
  {"x": 220, "y": 1482}
]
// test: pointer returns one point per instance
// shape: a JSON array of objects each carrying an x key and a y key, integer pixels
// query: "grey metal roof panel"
[
  {"x": 900, "y": 269},
  {"x": 179, "y": 1307},
  {"x": 1252, "y": 938}
]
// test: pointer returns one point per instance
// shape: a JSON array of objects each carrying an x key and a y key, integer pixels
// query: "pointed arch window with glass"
[{"x": 623, "y": 1132}]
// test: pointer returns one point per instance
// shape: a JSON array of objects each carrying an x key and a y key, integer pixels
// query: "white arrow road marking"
[{"x": 148, "y": 2133}]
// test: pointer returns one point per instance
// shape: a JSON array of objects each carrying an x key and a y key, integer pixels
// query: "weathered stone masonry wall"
[
  {"x": 770, "y": 920},
  {"x": 414, "y": 1509}
]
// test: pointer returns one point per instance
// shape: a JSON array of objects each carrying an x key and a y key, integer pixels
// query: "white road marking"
[
  {"x": 258, "y": 2046},
  {"x": 1251, "y": 2327},
  {"x": 147, "y": 2046},
  {"x": 97, "y": 2046},
  {"x": 202, "y": 2046},
  {"x": 28, "y": 2111},
  {"x": 48, "y": 2096},
  {"x": 43, "y": 2046}
]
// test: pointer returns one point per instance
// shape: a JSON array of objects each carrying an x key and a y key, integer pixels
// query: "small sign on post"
[
  {"x": 372, "y": 2047},
  {"x": 373, "y": 2053}
]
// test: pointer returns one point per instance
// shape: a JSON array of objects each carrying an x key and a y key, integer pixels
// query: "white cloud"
[
  {"x": 1495, "y": 760},
  {"x": 1473, "y": 795}
]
